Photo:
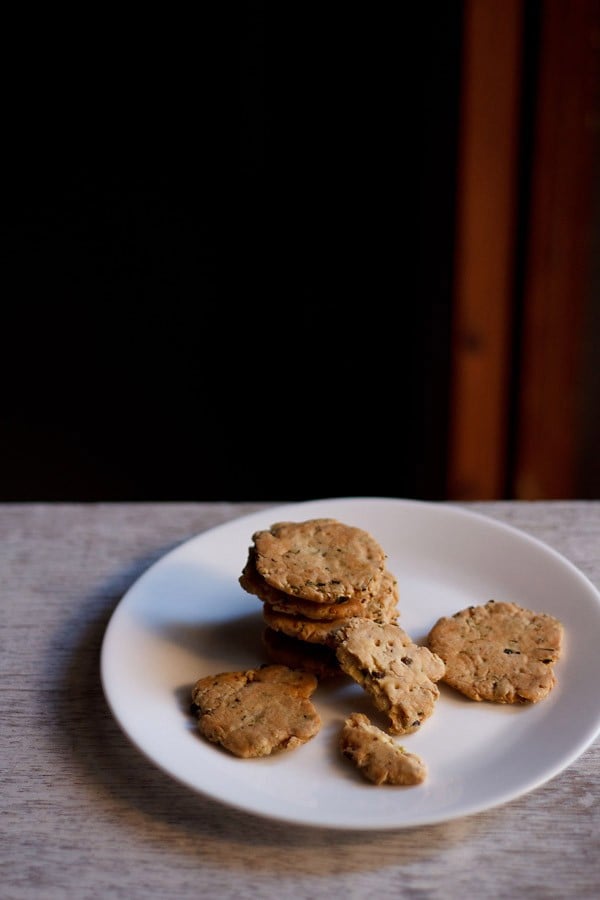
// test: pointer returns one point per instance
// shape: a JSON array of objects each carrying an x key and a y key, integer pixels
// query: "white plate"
[{"x": 187, "y": 617}]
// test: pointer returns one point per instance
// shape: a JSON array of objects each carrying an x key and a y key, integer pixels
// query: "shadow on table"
[{"x": 133, "y": 794}]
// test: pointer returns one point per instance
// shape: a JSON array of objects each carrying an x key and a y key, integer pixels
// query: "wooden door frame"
[{"x": 520, "y": 294}]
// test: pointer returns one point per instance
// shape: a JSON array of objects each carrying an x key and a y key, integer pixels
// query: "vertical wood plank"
[
  {"x": 557, "y": 271},
  {"x": 485, "y": 245}
]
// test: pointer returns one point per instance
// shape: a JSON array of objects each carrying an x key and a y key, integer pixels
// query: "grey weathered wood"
[{"x": 84, "y": 815}]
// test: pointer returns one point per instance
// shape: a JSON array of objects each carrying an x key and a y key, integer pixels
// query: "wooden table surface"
[{"x": 85, "y": 815}]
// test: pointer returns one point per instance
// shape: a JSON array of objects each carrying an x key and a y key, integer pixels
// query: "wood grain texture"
[
  {"x": 84, "y": 815},
  {"x": 557, "y": 283},
  {"x": 485, "y": 248}
]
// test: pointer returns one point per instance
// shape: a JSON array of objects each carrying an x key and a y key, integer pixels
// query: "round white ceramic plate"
[{"x": 187, "y": 617}]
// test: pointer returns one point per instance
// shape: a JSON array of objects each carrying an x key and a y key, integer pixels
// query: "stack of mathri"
[{"x": 312, "y": 578}]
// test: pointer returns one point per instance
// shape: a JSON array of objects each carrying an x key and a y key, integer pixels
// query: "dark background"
[{"x": 229, "y": 262}]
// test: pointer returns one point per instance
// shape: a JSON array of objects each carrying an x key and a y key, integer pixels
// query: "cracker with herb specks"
[
  {"x": 321, "y": 560},
  {"x": 376, "y": 755},
  {"x": 499, "y": 651},
  {"x": 255, "y": 584},
  {"x": 257, "y": 712},
  {"x": 399, "y": 675},
  {"x": 381, "y": 608}
]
